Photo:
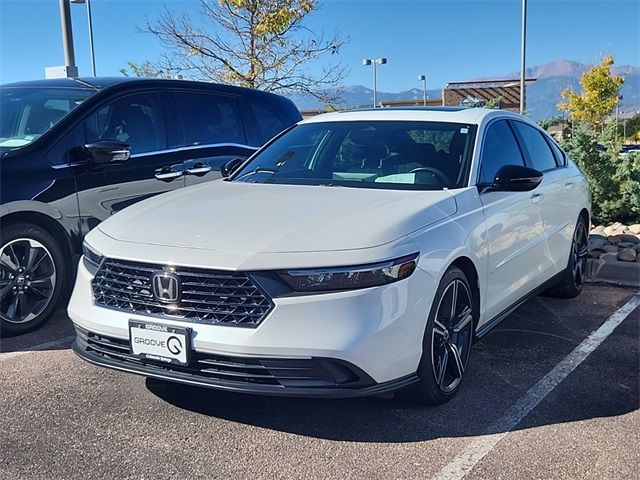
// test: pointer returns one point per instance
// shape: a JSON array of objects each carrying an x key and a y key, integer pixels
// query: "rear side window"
[
  {"x": 539, "y": 151},
  {"x": 269, "y": 120},
  {"x": 559, "y": 154},
  {"x": 500, "y": 148},
  {"x": 209, "y": 118}
]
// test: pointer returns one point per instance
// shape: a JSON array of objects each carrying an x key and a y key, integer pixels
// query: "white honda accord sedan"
[{"x": 355, "y": 254}]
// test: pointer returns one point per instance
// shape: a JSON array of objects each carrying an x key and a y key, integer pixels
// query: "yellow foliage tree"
[
  {"x": 599, "y": 94},
  {"x": 261, "y": 44}
]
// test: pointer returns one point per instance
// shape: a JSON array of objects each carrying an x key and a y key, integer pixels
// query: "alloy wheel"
[
  {"x": 27, "y": 280},
  {"x": 452, "y": 335},
  {"x": 579, "y": 255}
]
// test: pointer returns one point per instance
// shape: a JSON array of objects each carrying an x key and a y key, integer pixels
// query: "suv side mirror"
[
  {"x": 227, "y": 168},
  {"x": 108, "y": 151},
  {"x": 516, "y": 178}
]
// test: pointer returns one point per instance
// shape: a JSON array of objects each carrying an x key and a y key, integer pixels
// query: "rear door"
[
  {"x": 559, "y": 213},
  {"x": 211, "y": 130},
  {"x": 139, "y": 120}
]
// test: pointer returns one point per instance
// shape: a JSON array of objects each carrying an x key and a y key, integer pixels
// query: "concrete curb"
[{"x": 620, "y": 273}]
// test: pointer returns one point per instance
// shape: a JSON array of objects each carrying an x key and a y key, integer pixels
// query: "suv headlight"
[
  {"x": 350, "y": 278},
  {"x": 92, "y": 259}
]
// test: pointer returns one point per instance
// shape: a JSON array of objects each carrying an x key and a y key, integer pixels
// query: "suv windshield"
[
  {"x": 405, "y": 155},
  {"x": 27, "y": 113}
]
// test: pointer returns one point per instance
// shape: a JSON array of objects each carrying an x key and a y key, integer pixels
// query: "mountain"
[{"x": 542, "y": 95}]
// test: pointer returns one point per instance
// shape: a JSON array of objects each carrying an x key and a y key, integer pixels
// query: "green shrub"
[{"x": 614, "y": 180}]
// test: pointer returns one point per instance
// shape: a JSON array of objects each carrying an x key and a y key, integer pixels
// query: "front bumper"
[
  {"x": 311, "y": 377},
  {"x": 363, "y": 342}
]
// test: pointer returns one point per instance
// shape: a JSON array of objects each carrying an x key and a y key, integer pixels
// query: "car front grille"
[
  {"x": 226, "y": 369},
  {"x": 207, "y": 296}
]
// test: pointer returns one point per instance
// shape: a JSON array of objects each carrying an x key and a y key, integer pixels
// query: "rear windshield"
[
  {"x": 27, "y": 113},
  {"x": 378, "y": 154}
]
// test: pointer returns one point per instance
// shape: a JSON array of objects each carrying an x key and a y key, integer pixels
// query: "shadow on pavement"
[
  {"x": 57, "y": 328},
  {"x": 504, "y": 365}
]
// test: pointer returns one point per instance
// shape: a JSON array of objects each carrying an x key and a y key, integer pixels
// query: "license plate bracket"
[{"x": 160, "y": 343}]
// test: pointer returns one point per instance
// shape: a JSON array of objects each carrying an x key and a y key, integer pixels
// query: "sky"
[{"x": 448, "y": 40}]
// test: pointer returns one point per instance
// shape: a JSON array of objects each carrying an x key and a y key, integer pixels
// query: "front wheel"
[
  {"x": 447, "y": 340},
  {"x": 32, "y": 275}
]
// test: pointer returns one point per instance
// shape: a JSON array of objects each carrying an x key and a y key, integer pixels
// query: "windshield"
[
  {"x": 378, "y": 154},
  {"x": 27, "y": 113}
]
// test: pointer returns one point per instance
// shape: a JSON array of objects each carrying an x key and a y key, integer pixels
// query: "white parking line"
[
  {"x": 461, "y": 465},
  {"x": 41, "y": 346}
]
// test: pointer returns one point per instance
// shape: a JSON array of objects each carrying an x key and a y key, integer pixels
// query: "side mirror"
[
  {"x": 516, "y": 178},
  {"x": 227, "y": 168},
  {"x": 108, "y": 151}
]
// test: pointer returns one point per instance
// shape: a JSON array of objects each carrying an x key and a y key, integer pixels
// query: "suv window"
[
  {"x": 270, "y": 121},
  {"x": 539, "y": 151},
  {"x": 135, "y": 119},
  {"x": 209, "y": 118},
  {"x": 500, "y": 148}
]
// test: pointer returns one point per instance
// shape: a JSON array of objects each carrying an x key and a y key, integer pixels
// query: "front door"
[
  {"x": 136, "y": 119},
  {"x": 517, "y": 250}
]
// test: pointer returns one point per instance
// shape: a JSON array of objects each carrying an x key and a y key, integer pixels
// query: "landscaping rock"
[
  {"x": 598, "y": 229},
  {"x": 626, "y": 245},
  {"x": 610, "y": 229},
  {"x": 636, "y": 247},
  {"x": 609, "y": 257},
  {"x": 596, "y": 241},
  {"x": 614, "y": 239},
  {"x": 610, "y": 248},
  {"x": 627, "y": 255},
  {"x": 625, "y": 237},
  {"x": 635, "y": 228},
  {"x": 595, "y": 253}
]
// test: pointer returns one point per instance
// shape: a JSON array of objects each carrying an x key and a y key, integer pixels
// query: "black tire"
[
  {"x": 439, "y": 385},
  {"x": 573, "y": 277},
  {"x": 33, "y": 275}
]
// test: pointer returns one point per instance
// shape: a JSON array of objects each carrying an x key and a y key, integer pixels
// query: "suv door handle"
[
  {"x": 167, "y": 174},
  {"x": 536, "y": 197},
  {"x": 568, "y": 185},
  {"x": 198, "y": 169}
]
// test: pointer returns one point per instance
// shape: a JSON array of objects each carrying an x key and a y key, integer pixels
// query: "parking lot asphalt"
[{"x": 63, "y": 418}]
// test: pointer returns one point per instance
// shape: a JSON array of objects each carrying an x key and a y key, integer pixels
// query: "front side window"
[
  {"x": 375, "y": 154},
  {"x": 500, "y": 148},
  {"x": 134, "y": 119},
  {"x": 28, "y": 112},
  {"x": 209, "y": 119},
  {"x": 539, "y": 151}
]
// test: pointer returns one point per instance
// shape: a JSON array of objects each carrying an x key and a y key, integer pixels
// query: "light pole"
[
  {"x": 90, "y": 25},
  {"x": 523, "y": 45},
  {"x": 378, "y": 61},
  {"x": 423, "y": 78}
]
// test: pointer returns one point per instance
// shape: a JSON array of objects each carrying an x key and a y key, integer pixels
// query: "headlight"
[
  {"x": 92, "y": 259},
  {"x": 350, "y": 278}
]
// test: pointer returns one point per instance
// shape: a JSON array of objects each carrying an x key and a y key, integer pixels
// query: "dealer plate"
[{"x": 163, "y": 343}]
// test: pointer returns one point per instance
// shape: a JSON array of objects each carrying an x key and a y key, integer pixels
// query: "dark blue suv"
[{"x": 75, "y": 151}]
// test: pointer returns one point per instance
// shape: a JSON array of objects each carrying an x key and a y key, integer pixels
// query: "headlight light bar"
[
  {"x": 350, "y": 278},
  {"x": 92, "y": 259}
]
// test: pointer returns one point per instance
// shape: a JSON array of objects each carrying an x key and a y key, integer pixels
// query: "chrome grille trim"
[{"x": 213, "y": 297}]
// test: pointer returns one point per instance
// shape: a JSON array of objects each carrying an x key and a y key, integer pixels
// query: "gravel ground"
[{"x": 62, "y": 418}]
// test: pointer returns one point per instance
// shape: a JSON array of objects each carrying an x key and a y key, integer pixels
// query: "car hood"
[{"x": 262, "y": 218}]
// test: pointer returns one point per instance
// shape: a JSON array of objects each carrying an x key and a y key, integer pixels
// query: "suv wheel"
[
  {"x": 573, "y": 277},
  {"x": 32, "y": 276},
  {"x": 447, "y": 340}
]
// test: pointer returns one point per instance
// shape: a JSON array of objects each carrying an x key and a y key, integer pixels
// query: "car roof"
[
  {"x": 100, "y": 83},
  {"x": 432, "y": 114}
]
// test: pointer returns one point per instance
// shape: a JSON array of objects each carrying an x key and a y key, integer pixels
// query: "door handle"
[
  {"x": 536, "y": 197},
  {"x": 568, "y": 185},
  {"x": 198, "y": 169},
  {"x": 167, "y": 175}
]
